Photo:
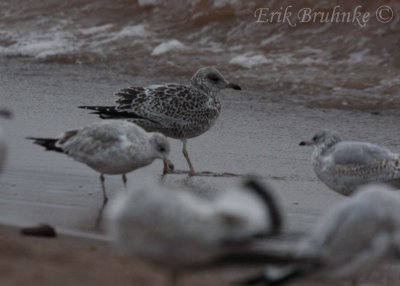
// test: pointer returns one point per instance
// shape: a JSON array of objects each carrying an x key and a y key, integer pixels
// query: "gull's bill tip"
[
  {"x": 305, "y": 143},
  {"x": 234, "y": 86},
  {"x": 5, "y": 113}
]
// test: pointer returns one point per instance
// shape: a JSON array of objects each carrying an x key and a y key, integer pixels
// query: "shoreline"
[{"x": 256, "y": 134}]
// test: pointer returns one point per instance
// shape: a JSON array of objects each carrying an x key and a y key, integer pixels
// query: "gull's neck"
[
  {"x": 322, "y": 149},
  {"x": 202, "y": 87}
]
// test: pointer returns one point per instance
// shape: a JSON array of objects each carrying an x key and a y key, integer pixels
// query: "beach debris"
[{"x": 42, "y": 230}]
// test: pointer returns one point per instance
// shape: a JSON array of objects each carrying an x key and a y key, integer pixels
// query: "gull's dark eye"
[
  {"x": 315, "y": 138},
  {"x": 161, "y": 148},
  {"x": 213, "y": 77}
]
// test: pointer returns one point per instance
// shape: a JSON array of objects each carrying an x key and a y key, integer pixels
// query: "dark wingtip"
[
  {"x": 234, "y": 86},
  {"x": 5, "y": 113},
  {"x": 48, "y": 143},
  {"x": 266, "y": 194}
]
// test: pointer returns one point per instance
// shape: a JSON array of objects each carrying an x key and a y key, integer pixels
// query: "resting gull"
[
  {"x": 178, "y": 228},
  {"x": 345, "y": 165},
  {"x": 353, "y": 238}
]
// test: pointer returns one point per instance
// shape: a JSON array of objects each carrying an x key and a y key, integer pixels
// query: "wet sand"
[{"x": 257, "y": 133}]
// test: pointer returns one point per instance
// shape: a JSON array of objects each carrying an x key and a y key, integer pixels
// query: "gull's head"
[
  {"x": 325, "y": 137},
  {"x": 160, "y": 145},
  {"x": 210, "y": 79}
]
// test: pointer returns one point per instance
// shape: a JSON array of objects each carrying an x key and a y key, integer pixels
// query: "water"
[{"x": 340, "y": 65}]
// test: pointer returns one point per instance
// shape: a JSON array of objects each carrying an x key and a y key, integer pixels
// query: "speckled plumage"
[
  {"x": 178, "y": 111},
  {"x": 345, "y": 165}
]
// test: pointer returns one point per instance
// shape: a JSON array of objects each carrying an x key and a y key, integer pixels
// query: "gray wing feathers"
[
  {"x": 91, "y": 139},
  {"x": 365, "y": 160},
  {"x": 360, "y": 153}
]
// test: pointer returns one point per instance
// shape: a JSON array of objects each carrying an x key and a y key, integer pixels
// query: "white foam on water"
[
  {"x": 41, "y": 46},
  {"x": 308, "y": 61},
  {"x": 147, "y": 3},
  {"x": 102, "y": 38},
  {"x": 309, "y": 50},
  {"x": 389, "y": 82},
  {"x": 223, "y": 3},
  {"x": 362, "y": 57},
  {"x": 133, "y": 31},
  {"x": 249, "y": 61},
  {"x": 95, "y": 30},
  {"x": 358, "y": 57},
  {"x": 171, "y": 45},
  {"x": 271, "y": 39},
  {"x": 311, "y": 56}
]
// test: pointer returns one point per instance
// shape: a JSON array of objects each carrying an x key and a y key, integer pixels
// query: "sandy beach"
[{"x": 257, "y": 133}]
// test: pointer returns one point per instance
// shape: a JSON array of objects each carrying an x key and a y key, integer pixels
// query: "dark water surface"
[{"x": 324, "y": 63}]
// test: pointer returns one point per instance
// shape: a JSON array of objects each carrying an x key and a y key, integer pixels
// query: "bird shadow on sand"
[
  {"x": 222, "y": 174},
  {"x": 206, "y": 174}
]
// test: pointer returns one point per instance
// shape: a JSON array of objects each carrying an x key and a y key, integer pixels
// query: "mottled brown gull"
[{"x": 178, "y": 111}]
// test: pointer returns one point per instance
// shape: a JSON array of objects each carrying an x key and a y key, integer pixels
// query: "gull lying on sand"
[
  {"x": 110, "y": 147},
  {"x": 179, "y": 229},
  {"x": 345, "y": 165},
  {"x": 178, "y": 111},
  {"x": 351, "y": 239}
]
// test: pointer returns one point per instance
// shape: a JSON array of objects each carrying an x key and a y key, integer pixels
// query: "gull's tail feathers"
[
  {"x": 111, "y": 112},
  {"x": 104, "y": 112}
]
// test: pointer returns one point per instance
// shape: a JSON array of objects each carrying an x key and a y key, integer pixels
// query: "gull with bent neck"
[{"x": 345, "y": 165}]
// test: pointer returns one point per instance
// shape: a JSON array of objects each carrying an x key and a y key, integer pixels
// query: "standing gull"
[
  {"x": 110, "y": 147},
  {"x": 179, "y": 228},
  {"x": 345, "y": 165},
  {"x": 353, "y": 238},
  {"x": 178, "y": 111}
]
